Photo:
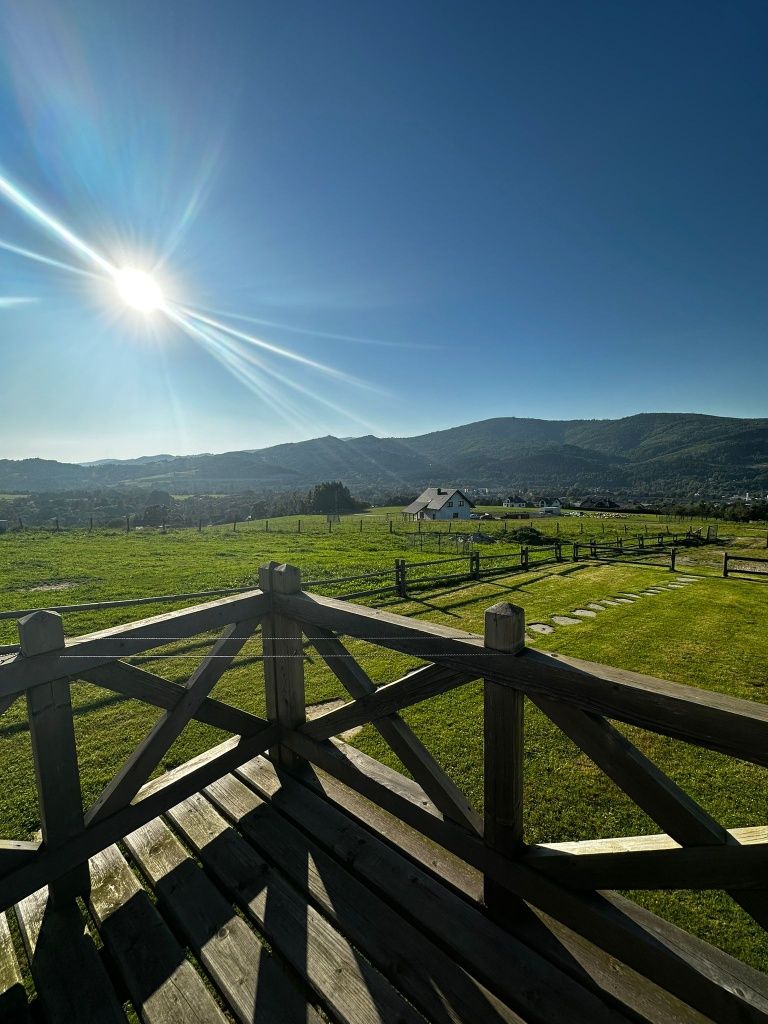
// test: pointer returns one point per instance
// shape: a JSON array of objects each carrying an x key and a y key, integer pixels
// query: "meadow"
[{"x": 709, "y": 634}]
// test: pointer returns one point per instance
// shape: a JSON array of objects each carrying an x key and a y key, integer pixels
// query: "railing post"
[
  {"x": 672, "y": 559},
  {"x": 54, "y": 751},
  {"x": 503, "y": 759},
  {"x": 575, "y": 551},
  {"x": 283, "y": 659},
  {"x": 725, "y": 563},
  {"x": 400, "y": 578}
]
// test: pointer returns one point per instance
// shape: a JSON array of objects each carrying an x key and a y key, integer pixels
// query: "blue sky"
[{"x": 460, "y": 210}]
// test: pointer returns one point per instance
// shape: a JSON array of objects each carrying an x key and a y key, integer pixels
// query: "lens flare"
[{"x": 138, "y": 290}]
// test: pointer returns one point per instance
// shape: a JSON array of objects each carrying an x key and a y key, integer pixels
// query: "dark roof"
[{"x": 434, "y": 498}]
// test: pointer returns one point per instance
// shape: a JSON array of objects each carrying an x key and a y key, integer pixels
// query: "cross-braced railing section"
[
  {"x": 44, "y": 670},
  {"x": 566, "y": 881}
]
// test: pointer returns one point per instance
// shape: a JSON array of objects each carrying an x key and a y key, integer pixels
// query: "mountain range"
[{"x": 650, "y": 453}]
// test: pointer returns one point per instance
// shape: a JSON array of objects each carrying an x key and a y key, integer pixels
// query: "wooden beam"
[
  {"x": 283, "y": 657},
  {"x": 150, "y": 751},
  {"x": 652, "y": 790},
  {"x": 18, "y": 674},
  {"x": 138, "y": 684},
  {"x": 503, "y": 738},
  {"x": 419, "y": 685},
  {"x": 163, "y": 985},
  {"x": 592, "y": 915},
  {"x": 54, "y": 751},
  {"x": 152, "y": 799},
  {"x": 703, "y": 867},
  {"x": 438, "y": 786},
  {"x": 713, "y": 720},
  {"x": 14, "y": 852},
  {"x": 353, "y": 990}
]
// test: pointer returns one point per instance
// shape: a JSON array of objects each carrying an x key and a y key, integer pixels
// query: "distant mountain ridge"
[{"x": 646, "y": 453}]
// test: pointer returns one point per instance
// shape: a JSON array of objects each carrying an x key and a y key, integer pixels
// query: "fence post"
[
  {"x": 575, "y": 551},
  {"x": 524, "y": 558},
  {"x": 503, "y": 711},
  {"x": 127, "y": 524},
  {"x": 200, "y": 526},
  {"x": 474, "y": 562},
  {"x": 390, "y": 526},
  {"x": 283, "y": 659},
  {"x": 558, "y": 551},
  {"x": 593, "y": 548},
  {"x": 400, "y": 586},
  {"x": 672, "y": 559},
  {"x": 53, "y": 748},
  {"x": 725, "y": 563}
]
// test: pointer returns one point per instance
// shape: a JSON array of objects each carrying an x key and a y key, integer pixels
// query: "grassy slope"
[{"x": 709, "y": 635}]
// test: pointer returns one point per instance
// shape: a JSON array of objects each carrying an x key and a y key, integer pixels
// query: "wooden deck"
[{"x": 284, "y": 876}]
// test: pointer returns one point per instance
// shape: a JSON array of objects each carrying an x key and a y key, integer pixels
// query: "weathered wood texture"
[
  {"x": 717, "y": 721},
  {"x": 163, "y": 986},
  {"x": 437, "y": 985},
  {"x": 53, "y": 748},
  {"x": 69, "y": 976},
  {"x": 13, "y": 997},
  {"x": 503, "y": 711},
  {"x": 255, "y": 984},
  {"x": 355, "y": 992},
  {"x": 283, "y": 656},
  {"x": 443, "y": 792}
]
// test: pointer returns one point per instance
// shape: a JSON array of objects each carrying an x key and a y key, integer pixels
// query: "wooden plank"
[
  {"x": 538, "y": 991},
  {"x": 18, "y": 674},
  {"x": 283, "y": 657},
  {"x": 503, "y": 741},
  {"x": 14, "y": 852},
  {"x": 163, "y": 985},
  {"x": 254, "y": 984},
  {"x": 72, "y": 984},
  {"x": 652, "y": 790},
  {"x": 160, "y": 738},
  {"x": 152, "y": 799},
  {"x": 438, "y": 786},
  {"x": 435, "y": 983},
  {"x": 137, "y": 683},
  {"x": 598, "y": 919},
  {"x": 54, "y": 752},
  {"x": 354, "y": 991},
  {"x": 13, "y": 997},
  {"x": 705, "y": 867},
  {"x": 569, "y": 951},
  {"x": 713, "y": 720},
  {"x": 657, "y": 795},
  {"x": 416, "y": 686}
]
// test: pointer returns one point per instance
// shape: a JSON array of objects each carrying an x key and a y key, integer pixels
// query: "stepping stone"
[
  {"x": 585, "y": 613},
  {"x": 540, "y": 627},
  {"x": 596, "y": 607},
  {"x": 677, "y": 586},
  {"x": 624, "y": 600},
  {"x": 604, "y": 600},
  {"x": 649, "y": 593},
  {"x": 565, "y": 620},
  {"x": 635, "y": 597},
  {"x": 687, "y": 579}
]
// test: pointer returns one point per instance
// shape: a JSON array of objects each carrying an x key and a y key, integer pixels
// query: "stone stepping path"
[{"x": 578, "y": 615}]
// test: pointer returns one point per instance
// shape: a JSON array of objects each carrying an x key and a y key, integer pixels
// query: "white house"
[
  {"x": 550, "y": 507},
  {"x": 440, "y": 503},
  {"x": 513, "y": 501}
]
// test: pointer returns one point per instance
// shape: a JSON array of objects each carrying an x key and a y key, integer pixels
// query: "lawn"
[{"x": 710, "y": 634}]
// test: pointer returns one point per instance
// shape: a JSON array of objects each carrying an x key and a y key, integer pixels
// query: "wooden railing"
[{"x": 566, "y": 881}]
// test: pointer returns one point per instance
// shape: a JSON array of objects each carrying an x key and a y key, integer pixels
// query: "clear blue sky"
[{"x": 551, "y": 209}]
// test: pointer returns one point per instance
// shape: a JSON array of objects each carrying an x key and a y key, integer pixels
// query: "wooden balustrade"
[{"x": 563, "y": 880}]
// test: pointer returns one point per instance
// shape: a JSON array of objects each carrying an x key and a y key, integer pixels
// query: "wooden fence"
[
  {"x": 750, "y": 560},
  {"x": 567, "y": 881}
]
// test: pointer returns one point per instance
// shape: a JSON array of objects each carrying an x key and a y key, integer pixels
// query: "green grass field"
[{"x": 710, "y": 634}]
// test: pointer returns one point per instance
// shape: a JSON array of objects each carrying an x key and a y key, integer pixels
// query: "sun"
[{"x": 138, "y": 290}]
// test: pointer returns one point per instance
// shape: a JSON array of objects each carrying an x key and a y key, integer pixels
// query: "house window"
[
  {"x": 455, "y": 515},
  {"x": 461, "y": 503},
  {"x": 450, "y": 504}
]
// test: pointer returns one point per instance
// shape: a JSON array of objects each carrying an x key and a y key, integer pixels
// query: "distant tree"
[{"x": 332, "y": 496}]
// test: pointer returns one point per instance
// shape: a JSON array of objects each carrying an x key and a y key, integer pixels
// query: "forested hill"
[{"x": 659, "y": 453}]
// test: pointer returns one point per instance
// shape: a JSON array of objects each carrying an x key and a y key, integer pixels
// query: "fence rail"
[
  {"x": 566, "y": 881},
  {"x": 728, "y": 566}
]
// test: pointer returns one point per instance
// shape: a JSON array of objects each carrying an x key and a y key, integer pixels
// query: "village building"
[
  {"x": 550, "y": 507},
  {"x": 439, "y": 503}
]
